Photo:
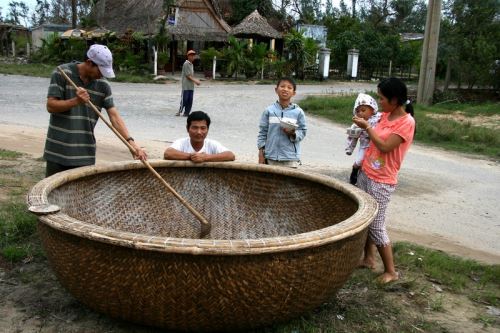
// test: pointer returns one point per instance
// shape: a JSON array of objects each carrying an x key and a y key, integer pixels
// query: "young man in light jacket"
[{"x": 282, "y": 127}]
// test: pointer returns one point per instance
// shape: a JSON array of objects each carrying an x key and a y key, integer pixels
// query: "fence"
[{"x": 404, "y": 73}]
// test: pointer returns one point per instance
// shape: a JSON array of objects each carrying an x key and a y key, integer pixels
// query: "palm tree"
[
  {"x": 235, "y": 55},
  {"x": 295, "y": 43}
]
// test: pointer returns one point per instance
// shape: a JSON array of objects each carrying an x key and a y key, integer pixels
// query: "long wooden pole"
[{"x": 205, "y": 225}]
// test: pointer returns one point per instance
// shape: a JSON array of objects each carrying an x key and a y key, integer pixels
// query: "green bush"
[
  {"x": 207, "y": 56},
  {"x": 21, "y": 42},
  {"x": 163, "y": 58},
  {"x": 279, "y": 68},
  {"x": 55, "y": 50}
]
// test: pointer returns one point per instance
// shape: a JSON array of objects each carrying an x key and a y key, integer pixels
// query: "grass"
[
  {"x": 480, "y": 283},
  {"x": 18, "y": 241},
  {"x": 446, "y": 133},
  {"x": 9, "y": 155},
  {"x": 39, "y": 70},
  {"x": 361, "y": 305}
]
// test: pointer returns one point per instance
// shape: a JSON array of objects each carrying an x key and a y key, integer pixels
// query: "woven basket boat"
[{"x": 282, "y": 241}]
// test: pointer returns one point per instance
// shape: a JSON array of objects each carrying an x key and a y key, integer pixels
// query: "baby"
[{"x": 365, "y": 107}]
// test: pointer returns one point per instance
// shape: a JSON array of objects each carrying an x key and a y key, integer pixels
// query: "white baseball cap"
[{"x": 102, "y": 57}]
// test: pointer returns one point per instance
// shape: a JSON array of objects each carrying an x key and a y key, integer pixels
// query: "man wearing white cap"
[{"x": 70, "y": 138}]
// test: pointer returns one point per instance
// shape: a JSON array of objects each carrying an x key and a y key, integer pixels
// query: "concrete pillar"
[
  {"x": 324, "y": 63},
  {"x": 273, "y": 44},
  {"x": 352, "y": 63},
  {"x": 155, "y": 61},
  {"x": 214, "y": 66},
  {"x": 176, "y": 15},
  {"x": 426, "y": 80},
  {"x": 13, "y": 49}
]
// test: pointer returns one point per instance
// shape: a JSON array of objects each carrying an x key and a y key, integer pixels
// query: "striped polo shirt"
[{"x": 70, "y": 137}]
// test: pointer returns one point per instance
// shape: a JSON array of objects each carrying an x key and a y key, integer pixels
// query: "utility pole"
[{"x": 427, "y": 76}]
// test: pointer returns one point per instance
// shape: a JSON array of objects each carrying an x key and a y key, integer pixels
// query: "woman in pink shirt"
[{"x": 390, "y": 140}]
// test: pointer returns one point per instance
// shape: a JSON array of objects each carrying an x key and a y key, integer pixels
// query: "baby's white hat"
[{"x": 364, "y": 99}]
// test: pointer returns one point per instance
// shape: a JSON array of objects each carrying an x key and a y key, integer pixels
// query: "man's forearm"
[
  {"x": 61, "y": 105},
  {"x": 119, "y": 125},
  {"x": 221, "y": 157},
  {"x": 174, "y": 154},
  {"x": 191, "y": 78}
]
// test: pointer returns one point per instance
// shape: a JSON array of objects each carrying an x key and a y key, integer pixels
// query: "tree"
[
  {"x": 472, "y": 39},
  {"x": 309, "y": 10},
  {"x": 60, "y": 11},
  {"x": 65, "y": 11},
  {"x": 234, "y": 54},
  {"x": 41, "y": 13},
  {"x": 329, "y": 9},
  {"x": 408, "y": 15},
  {"x": 343, "y": 8},
  {"x": 255, "y": 59},
  {"x": 74, "y": 14},
  {"x": 161, "y": 37},
  {"x": 377, "y": 13},
  {"x": 408, "y": 55},
  {"x": 302, "y": 51},
  {"x": 18, "y": 13},
  {"x": 242, "y": 8}
]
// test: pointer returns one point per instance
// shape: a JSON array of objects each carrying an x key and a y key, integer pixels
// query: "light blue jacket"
[{"x": 278, "y": 145}]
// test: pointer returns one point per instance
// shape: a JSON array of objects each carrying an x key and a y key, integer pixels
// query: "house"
[
  {"x": 12, "y": 33},
  {"x": 189, "y": 23},
  {"x": 258, "y": 30},
  {"x": 316, "y": 32},
  {"x": 42, "y": 31}
]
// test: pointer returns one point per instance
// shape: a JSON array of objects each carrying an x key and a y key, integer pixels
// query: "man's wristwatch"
[{"x": 130, "y": 139}]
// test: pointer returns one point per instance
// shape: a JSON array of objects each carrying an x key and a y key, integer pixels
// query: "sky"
[{"x": 5, "y": 4}]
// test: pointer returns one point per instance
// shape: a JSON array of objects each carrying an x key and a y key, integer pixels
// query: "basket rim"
[{"x": 367, "y": 209}]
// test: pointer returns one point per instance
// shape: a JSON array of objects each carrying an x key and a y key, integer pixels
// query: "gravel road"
[{"x": 444, "y": 200}]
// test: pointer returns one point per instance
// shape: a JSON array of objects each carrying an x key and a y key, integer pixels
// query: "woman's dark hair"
[
  {"x": 287, "y": 79},
  {"x": 198, "y": 116},
  {"x": 394, "y": 88}
]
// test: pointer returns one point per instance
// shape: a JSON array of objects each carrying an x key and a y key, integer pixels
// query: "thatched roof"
[
  {"x": 255, "y": 24},
  {"x": 185, "y": 31},
  {"x": 196, "y": 20},
  {"x": 121, "y": 16}
]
